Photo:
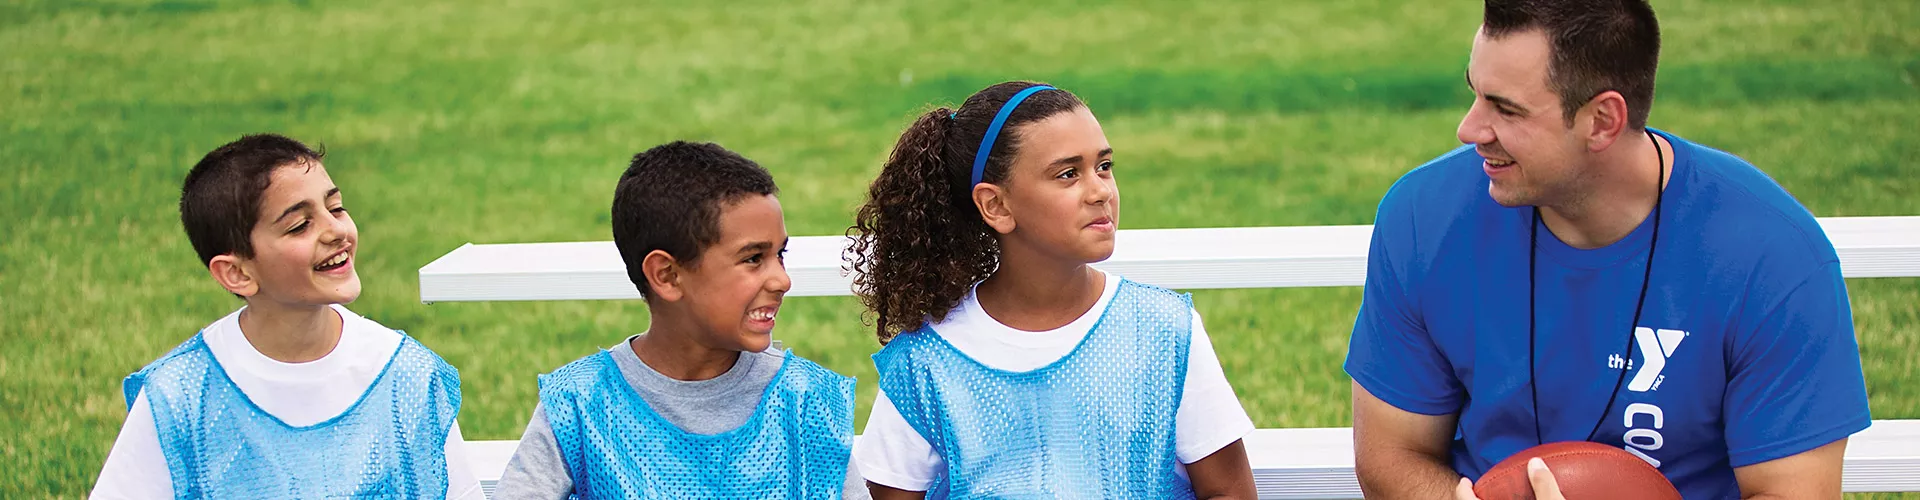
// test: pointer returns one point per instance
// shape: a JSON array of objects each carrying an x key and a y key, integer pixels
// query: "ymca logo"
[{"x": 1655, "y": 347}]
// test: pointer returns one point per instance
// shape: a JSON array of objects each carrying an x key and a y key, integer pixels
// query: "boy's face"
[
  {"x": 734, "y": 291},
  {"x": 304, "y": 242}
]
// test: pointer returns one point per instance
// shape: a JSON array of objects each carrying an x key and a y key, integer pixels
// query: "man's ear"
[
  {"x": 1605, "y": 117},
  {"x": 663, "y": 275},
  {"x": 991, "y": 200},
  {"x": 234, "y": 274}
]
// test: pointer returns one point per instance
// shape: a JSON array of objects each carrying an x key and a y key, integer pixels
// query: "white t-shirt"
[
  {"x": 299, "y": 394},
  {"x": 890, "y": 452}
]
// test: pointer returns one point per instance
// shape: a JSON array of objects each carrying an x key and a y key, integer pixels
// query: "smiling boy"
[
  {"x": 292, "y": 395},
  {"x": 698, "y": 406}
]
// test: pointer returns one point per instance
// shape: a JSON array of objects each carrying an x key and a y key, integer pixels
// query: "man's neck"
[
  {"x": 290, "y": 334},
  {"x": 1620, "y": 194},
  {"x": 669, "y": 349},
  {"x": 1034, "y": 294}
]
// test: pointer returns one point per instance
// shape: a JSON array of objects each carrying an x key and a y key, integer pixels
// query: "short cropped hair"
[
  {"x": 220, "y": 200},
  {"x": 670, "y": 199},
  {"x": 1595, "y": 46}
]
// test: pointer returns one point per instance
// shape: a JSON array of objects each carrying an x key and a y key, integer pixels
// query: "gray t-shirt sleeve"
[{"x": 536, "y": 470}]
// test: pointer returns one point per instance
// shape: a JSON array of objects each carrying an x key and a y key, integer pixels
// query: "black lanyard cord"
[{"x": 1533, "y": 241}]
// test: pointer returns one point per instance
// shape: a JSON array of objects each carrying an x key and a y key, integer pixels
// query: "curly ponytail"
[{"x": 919, "y": 243}]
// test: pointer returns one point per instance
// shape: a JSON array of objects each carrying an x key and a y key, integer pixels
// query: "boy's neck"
[
  {"x": 669, "y": 351},
  {"x": 1040, "y": 298},
  {"x": 291, "y": 334}
]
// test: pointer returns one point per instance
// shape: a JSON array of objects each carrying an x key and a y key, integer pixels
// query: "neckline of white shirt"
[
  {"x": 356, "y": 345},
  {"x": 977, "y": 335}
]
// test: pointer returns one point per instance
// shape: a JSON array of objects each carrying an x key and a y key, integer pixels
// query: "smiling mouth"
[
  {"x": 336, "y": 262},
  {"x": 763, "y": 314},
  {"x": 1498, "y": 163}
]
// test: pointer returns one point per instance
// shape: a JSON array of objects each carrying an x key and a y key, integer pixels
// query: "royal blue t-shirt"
[{"x": 1746, "y": 323}]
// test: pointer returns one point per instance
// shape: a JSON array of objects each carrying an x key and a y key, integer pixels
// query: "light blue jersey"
[
  {"x": 1098, "y": 423},
  {"x": 218, "y": 444},
  {"x": 795, "y": 445}
]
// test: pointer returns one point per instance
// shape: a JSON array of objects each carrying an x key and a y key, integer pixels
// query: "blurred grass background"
[{"x": 450, "y": 122}]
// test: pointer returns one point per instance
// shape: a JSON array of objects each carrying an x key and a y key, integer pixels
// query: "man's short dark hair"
[
  {"x": 670, "y": 199},
  {"x": 1595, "y": 46},
  {"x": 220, "y": 200}
]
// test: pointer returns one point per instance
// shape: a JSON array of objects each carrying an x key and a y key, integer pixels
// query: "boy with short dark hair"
[
  {"x": 292, "y": 395},
  {"x": 698, "y": 406}
]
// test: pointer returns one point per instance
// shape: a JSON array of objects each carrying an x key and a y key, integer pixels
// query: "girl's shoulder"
[{"x": 1136, "y": 295}]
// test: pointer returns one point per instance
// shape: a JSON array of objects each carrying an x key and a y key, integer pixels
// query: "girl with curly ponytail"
[{"x": 1010, "y": 366}]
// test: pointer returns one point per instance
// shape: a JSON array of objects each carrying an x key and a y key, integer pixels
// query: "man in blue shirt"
[{"x": 1509, "y": 300}]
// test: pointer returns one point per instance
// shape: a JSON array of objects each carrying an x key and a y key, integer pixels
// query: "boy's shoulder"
[
  {"x": 190, "y": 359},
  {"x": 580, "y": 375},
  {"x": 804, "y": 375},
  {"x": 394, "y": 344}
]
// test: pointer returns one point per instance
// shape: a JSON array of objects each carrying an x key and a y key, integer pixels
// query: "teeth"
[
  {"x": 336, "y": 260},
  {"x": 761, "y": 315}
]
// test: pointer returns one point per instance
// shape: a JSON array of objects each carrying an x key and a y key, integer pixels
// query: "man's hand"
[{"x": 1544, "y": 486}]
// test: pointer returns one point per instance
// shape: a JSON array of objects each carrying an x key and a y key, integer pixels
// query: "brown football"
[{"x": 1584, "y": 471}]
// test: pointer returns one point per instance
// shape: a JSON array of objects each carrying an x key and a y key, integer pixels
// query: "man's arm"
[
  {"x": 1814, "y": 473},
  {"x": 1400, "y": 454},
  {"x": 1796, "y": 391}
]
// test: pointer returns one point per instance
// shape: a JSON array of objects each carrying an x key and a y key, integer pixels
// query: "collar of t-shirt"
[
  {"x": 303, "y": 394},
  {"x": 976, "y": 334},
  {"x": 708, "y": 406}
]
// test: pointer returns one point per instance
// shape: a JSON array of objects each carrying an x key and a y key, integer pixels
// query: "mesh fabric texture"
[
  {"x": 1097, "y": 423},
  {"x": 218, "y": 444},
  {"x": 795, "y": 445}
]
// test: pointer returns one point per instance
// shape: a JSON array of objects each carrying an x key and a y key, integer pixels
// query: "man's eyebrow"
[
  {"x": 1496, "y": 98},
  {"x": 1507, "y": 103}
]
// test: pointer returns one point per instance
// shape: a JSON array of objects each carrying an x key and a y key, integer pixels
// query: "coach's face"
[{"x": 1532, "y": 155}]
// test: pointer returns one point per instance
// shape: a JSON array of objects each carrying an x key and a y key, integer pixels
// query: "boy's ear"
[
  {"x": 234, "y": 274},
  {"x": 663, "y": 275},
  {"x": 991, "y": 199}
]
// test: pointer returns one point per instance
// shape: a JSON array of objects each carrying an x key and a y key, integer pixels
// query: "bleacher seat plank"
[{"x": 1182, "y": 259}]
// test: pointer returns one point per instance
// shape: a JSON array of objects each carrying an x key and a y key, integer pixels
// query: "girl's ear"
[{"x": 994, "y": 206}]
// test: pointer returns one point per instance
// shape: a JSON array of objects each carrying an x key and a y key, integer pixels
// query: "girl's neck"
[
  {"x": 291, "y": 334},
  {"x": 1038, "y": 298}
]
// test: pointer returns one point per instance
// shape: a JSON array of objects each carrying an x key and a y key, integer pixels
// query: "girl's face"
[{"x": 1059, "y": 198}]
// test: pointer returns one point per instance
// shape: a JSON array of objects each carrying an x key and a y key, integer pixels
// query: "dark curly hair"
[
  {"x": 671, "y": 197},
  {"x": 919, "y": 243}
]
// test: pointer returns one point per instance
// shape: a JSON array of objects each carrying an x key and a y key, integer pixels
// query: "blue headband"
[{"x": 993, "y": 131}]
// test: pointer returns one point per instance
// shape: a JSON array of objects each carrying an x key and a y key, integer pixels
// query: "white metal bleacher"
[{"x": 1288, "y": 463}]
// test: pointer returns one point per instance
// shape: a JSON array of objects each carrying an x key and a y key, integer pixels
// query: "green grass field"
[{"x": 451, "y": 122}]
